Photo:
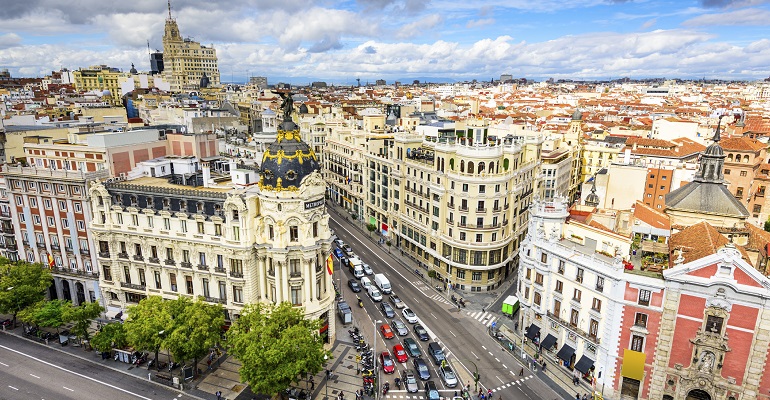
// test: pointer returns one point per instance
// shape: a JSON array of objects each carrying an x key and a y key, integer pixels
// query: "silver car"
[
  {"x": 410, "y": 382},
  {"x": 368, "y": 269},
  {"x": 448, "y": 376},
  {"x": 399, "y": 327}
]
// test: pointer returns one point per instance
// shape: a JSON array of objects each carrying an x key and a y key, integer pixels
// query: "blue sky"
[{"x": 338, "y": 41}]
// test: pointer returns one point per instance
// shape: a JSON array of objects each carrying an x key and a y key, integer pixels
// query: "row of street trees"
[{"x": 275, "y": 343}]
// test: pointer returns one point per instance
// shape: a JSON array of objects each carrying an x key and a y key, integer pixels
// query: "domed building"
[{"x": 260, "y": 236}]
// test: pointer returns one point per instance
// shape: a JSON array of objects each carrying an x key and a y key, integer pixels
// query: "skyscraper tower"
[{"x": 186, "y": 61}]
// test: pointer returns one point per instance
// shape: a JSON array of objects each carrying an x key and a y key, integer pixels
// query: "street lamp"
[
  {"x": 326, "y": 386},
  {"x": 377, "y": 370}
]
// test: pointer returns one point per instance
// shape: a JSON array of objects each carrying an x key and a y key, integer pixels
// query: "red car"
[
  {"x": 388, "y": 366},
  {"x": 400, "y": 353},
  {"x": 387, "y": 333}
]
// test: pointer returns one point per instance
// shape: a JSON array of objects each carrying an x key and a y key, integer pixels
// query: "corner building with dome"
[{"x": 232, "y": 233}]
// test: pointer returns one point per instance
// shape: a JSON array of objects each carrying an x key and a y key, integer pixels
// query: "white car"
[
  {"x": 409, "y": 316},
  {"x": 375, "y": 294},
  {"x": 368, "y": 269}
]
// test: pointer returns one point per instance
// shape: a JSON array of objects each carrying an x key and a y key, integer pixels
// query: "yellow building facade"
[{"x": 186, "y": 61}]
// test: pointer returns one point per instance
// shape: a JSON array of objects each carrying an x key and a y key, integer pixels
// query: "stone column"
[
  {"x": 309, "y": 279},
  {"x": 279, "y": 281},
  {"x": 262, "y": 270}
]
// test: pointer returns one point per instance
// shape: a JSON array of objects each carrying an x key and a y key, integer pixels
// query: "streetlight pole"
[{"x": 374, "y": 350}]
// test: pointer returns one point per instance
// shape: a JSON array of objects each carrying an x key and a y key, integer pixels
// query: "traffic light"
[{"x": 476, "y": 377}]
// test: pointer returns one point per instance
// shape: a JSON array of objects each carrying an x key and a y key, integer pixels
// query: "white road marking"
[
  {"x": 453, "y": 334},
  {"x": 490, "y": 353},
  {"x": 71, "y": 390},
  {"x": 34, "y": 376},
  {"x": 5, "y": 365},
  {"x": 474, "y": 354},
  {"x": 12, "y": 387},
  {"x": 498, "y": 360},
  {"x": 498, "y": 378},
  {"x": 483, "y": 347},
  {"x": 433, "y": 316},
  {"x": 415, "y": 299},
  {"x": 73, "y": 373},
  {"x": 505, "y": 366}
]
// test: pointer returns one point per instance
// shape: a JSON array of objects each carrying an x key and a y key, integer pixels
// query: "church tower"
[{"x": 185, "y": 61}]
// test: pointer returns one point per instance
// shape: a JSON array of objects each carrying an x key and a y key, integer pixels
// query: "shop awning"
[
  {"x": 548, "y": 342},
  {"x": 110, "y": 314},
  {"x": 565, "y": 353},
  {"x": 633, "y": 364},
  {"x": 532, "y": 331},
  {"x": 584, "y": 364}
]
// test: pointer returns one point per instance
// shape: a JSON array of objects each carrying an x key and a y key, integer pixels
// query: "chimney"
[{"x": 206, "y": 174}]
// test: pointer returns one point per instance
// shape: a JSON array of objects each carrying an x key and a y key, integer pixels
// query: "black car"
[
  {"x": 421, "y": 368},
  {"x": 412, "y": 348},
  {"x": 421, "y": 333},
  {"x": 387, "y": 310},
  {"x": 354, "y": 286}
]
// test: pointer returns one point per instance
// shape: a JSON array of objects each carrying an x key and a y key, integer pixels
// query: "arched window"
[
  {"x": 492, "y": 168},
  {"x": 470, "y": 167},
  {"x": 729, "y": 158},
  {"x": 506, "y": 164},
  {"x": 452, "y": 164},
  {"x": 462, "y": 165},
  {"x": 746, "y": 159},
  {"x": 481, "y": 168}
]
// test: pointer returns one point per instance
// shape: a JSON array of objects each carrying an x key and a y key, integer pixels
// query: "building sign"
[{"x": 313, "y": 204}]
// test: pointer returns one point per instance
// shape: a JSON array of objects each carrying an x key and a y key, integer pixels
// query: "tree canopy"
[
  {"x": 82, "y": 316},
  {"x": 112, "y": 335},
  {"x": 196, "y": 327},
  {"x": 147, "y": 324},
  {"x": 276, "y": 345},
  {"x": 46, "y": 314},
  {"x": 21, "y": 285}
]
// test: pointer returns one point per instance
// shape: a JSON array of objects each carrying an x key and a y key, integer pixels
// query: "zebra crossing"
[
  {"x": 514, "y": 383},
  {"x": 486, "y": 318},
  {"x": 440, "y": 298}
]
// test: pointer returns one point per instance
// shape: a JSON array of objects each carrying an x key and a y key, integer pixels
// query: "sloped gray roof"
[{"x": 706, "y": 197}]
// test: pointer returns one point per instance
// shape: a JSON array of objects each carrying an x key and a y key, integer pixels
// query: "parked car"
[
  {"x": 339, "y": 243},
  {"x": 397, "y": 302},
  {"x": 387, "y": 333},
  {"x": 374, "y": 293},
  {"x": 421, "y": 368},
  {"x": 448, "y": 376},
  {"x": 346, "y": 248},
  {"x": 399, "y": 327},
  {"x": 431, "y": 393},
  {"x": 388, "y": 366},
  {"x": 409, "y": 315},
  {"x": 421, "y": 333},
  {"x": 354, "y": 286},
  {"x": 410, "y": 383},
  {"x": 400, "y": 353},
  {"x": 387, "y": 310},
  {"x": 435, "y": 351},
  {"x": 368, "y": 269},
  {"x": 412, "y": 348}
]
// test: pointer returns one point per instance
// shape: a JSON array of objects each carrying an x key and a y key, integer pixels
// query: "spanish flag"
[
  {"x": 50, "y": 262},
  {"x": 330, "y": 264}
]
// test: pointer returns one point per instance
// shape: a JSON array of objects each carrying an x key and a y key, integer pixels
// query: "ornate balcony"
[
  {"x": 138, "y": 257},
  {"x": 123, "y": 255},
  {"x": 104, "y": 254},
  {"x": 235, "y": 274},
  {"x": 202, "y": 267},
  {"x": 221, "y": 270},
  {"x": 154, "y": 260},
  {"x": 170, "y": 262},
  {"x": 215, "y": 300},
  {"x": 75, "y": 272},
  {"x": 185, "y": 264},
  {"x": 132, "y": 286}
]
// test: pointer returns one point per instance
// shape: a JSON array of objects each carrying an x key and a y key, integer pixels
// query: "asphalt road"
[
  {"x": 30, "y": 371},
  {"x": 464, "y": 339}
]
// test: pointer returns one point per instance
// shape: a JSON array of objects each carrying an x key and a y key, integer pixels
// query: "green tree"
[
  {"x": 148, "y": 324},
  {"x": 275, "y": 345},
  {"x": 46, "y": 314},
  {"x": 767, "y": 225},
  {"x": 111, "y": 336},
  {"x": 196, "y": 328},
  {"x": 82, "y": 316},
  {"x": 21, "y": 285}
]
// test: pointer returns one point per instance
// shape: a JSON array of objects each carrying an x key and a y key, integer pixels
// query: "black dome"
[
  {"x": 288, "y": 160},
  {"x": 303, "y": 109}
]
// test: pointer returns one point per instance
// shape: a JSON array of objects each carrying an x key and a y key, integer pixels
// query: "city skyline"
[{"x": 403, "y": 39}]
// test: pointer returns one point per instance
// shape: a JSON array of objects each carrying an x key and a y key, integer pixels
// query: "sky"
[{"x": 298, "y": 41}]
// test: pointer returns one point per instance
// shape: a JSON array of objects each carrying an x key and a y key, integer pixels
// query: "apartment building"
[
  {"x": 102, "y": 79},
  {"x": 49, "y": 213},
  {"x": 559, "y": 175},
  {"x": 246, "y": 235},
  {"x": 742, "y": 166}
]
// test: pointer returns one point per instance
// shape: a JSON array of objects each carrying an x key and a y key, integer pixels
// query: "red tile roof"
[{"x": 651, "y": 217}]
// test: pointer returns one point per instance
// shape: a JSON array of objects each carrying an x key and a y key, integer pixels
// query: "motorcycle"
[
  {"x": 385, "y": 388},
  {"x": 454, "y": 299},
  {"x": 462, "y": 302},
  {"x": 360, "y": 302},
  {"x": 398, "y": 383}
]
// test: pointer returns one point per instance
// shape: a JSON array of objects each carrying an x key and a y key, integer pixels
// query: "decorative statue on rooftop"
[{"x": 287, "y": 105}]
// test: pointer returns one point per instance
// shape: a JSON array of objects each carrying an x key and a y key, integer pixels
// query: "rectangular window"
[
  {"x": 236, "y": 233},
  {"x": 561, "y": 267},
  {"x": 200, "y": 227},
  {"x": 714, "y": 324},
  {"x": 237, "y": 294},
  {"x": 574, "y": 317},
  {"x": 315, "y": 229},
  {"x": 479, "y": 237},
  {"x": 47, "y": 204},
  {"x": 579, "y": 276},
  {"x": 183, "y": 226},
  {"x": 202, "y": 258},
  {"x": 644, "y": 297},
  {"x": 593, "y": 328},
  {"x": 599, "y": 284},
  {"x": 539, "y": 278},
  {"x": 559, "y": 286},
  {"x": 222, "y": 291},
  {"x": 576, "y": 294},
  {"x": 62, "y": 205},
  {"x": 142, "y": 280},
  {"x": 293, "y": 233},
  {"x": 186, "y": 256},
  {"x": 597, "y": 304},
  {"x": 537, "y": 298},
  {"x": 172, "y": 279},
  {"x": 33, "y": 202},
  {"x": 78, "y": 207},
  {"x": 36, "y": 219},
  {"x": 544, "y": 258},
  {"x": 556, "y": 308},
  {"x": 81, "y": 225},
  {"x": 149, "y": 221},
  {"x": 482, "y": 189},
  {"x": 188, "y": 284},
  {"x": 640, "y": 320},
  {"x": 476, "y": 276},
  {"x": 465, "y": 187},
  {"x": 637, "y": 343},
  {"x": 127, "y": 274},
  {"x": 167, "y": 223},
  {"x": 217, "y": 229},
  {"x": 107, "y": 272},
  {"x": 270, "y": 232},
  {"x": 169, "y": 254},
  {"x": 529, "y": 273},
  {"x": 65, "y": 223},
  {"x": 205, "y": 284},
  {"x": 158, "y": 284}
]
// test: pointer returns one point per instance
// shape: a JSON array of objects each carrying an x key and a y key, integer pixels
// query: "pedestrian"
[
  {"x": 219, "y": 395},
  {"x": 489, "y": 393},
  {"x": 521, "y": 371},
  {"x": 585, "y": 396},
  {"x": 577, "y": 396},
  {"x": 312, "y": 383},
  {"x": 208, "y": 363},
  {"x": 516, "y": 326},
  {"x": 481, "y": 392}
]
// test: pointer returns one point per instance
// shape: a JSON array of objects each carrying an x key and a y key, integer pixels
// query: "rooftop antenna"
[{"x": 169, "y": 9}]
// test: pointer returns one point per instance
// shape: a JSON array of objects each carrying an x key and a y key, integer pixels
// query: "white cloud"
[
  {"x": 419, "y": 27},
  {"x": 9, "y": 40},
  {"x": 744, "y": 17},
  {"x": 477, "y": 23}
]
